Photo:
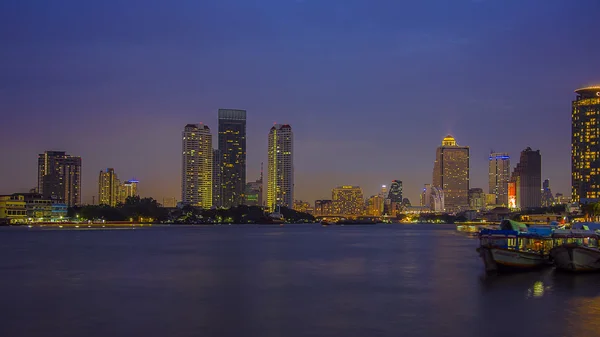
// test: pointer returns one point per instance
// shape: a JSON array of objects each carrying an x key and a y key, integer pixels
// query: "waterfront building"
[
  {"x": 323, "y": 207},
  {"x": 477, "y": 198},
  {"x": 109, "y": 188},
  {"x": 197, "y": 166},
  {"x": 547, "y": 196},
  {"x": 302, "y": 206},
  {"x": 527, "y": 179},
  {"x": 490, "y": 199},
  {"x": 169, "y": 202},
  {"x": 59, "y": 177},
  {"x": 432, "y": 198},
  {"x": 12, "y": 209},
  {"x": 216, "y": 179},
  {"x": 451, "y": 174},
  {"x": 499, "y": 176},
  {"x": 347, "y": 200},
  {"x": 232, "y": 149},
  {"x": 280, "y": 168},
  {"x": 585, "y": 145},
  {"x": 375, "y": 205}
]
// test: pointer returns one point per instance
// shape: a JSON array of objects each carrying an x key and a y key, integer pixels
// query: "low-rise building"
[{"x": 12, "y": 209}]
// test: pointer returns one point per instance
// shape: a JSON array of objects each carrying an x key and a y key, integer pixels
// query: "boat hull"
[
  {"x": 576, "y": 258},
  {"x": 499, "y": 259}
]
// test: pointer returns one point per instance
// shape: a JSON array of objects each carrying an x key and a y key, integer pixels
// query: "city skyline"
[{"x": 383, "y": 76}]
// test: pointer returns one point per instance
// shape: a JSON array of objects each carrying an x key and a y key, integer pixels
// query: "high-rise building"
[
  {"x": 280, "y": 175},
  {"x": 375, "y": 205},
  {"x": 499, "y": 176},
  {"x": 323, "y": 207},
  {"x": 451, "y": 173},
  {"x": 395, "y": 193},
  {"x": 109, "y": 188},
  {"x": 129, "y": 189},
  {"x": 433, "y": 198},
  {"x": 302, "y": 206},
  {"x": 585, "y": 145},
  {"x": 216, "y": 179},
  {"x": 547, "y": 196},
  {"x": 476, "y": 199},
  {"x": 347, "y": 200},
  {"x": 527, "y": 179},
  {"x": 59, "y": 177},
  {"x": 197, "y": 166},
  {"x": 232, "y": 147}
]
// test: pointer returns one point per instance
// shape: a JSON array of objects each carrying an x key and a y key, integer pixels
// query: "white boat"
[
  {"x": 576, "y": 250},
  {"x": 500, "y": 259}
]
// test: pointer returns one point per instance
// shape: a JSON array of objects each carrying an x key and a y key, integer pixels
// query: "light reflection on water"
[{"x": 296, "y": 280}]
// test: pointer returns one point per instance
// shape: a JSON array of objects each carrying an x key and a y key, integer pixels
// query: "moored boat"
[
  {"x": 512, "y": 248},
  {"x": 576, "y": 250}
]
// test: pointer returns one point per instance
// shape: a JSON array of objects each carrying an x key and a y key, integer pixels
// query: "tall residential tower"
[
  {"x": 527, "y": 180},
  {"x": 585, "y": 145},
  {"x": 232, "y": 147},
  {"x": 197, "y": 166},
  {"x": 59, "y": 177},
  {"x": 451, "y": 174},
  {"x": 109, "y": 188},
  {"x": 499, "y": 176},
  {"x": 280, "y": 168}
]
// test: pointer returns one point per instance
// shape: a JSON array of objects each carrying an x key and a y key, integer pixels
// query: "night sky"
[{"x": 369, "y": 87}]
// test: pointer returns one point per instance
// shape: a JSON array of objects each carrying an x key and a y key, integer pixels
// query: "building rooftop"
[{"x": 593, "y": 90}]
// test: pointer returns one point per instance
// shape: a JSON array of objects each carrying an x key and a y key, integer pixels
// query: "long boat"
[
  {"x": 576, "y": 250},
  {"x": 513, "y": 248}
]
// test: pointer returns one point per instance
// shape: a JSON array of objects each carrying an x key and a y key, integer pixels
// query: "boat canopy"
[
  {"x": 513, "y": 225},
  {"x": 594, "y": 226},
  {"x": 498, "y": 232},
  {"x": 574, "y": 233},
  {"x": 540, "y": 231}
]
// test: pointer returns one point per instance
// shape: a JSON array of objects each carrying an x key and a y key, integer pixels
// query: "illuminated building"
[
  {"x": 302, "y": 206},
  {"x": 280, "y": 168},
  {"x": 197, "y": 166},
  {"x": 527, "y": 179},
  {"x": 512, "y": 195},
  {"x": 451, "y": 173},
  {"x": 585, "y": 145},
  {"x": 547, "y": 197},
  {"x": 432, "y": 198},
  {"x": 129, "y": 189},
  {"x": 254, "y": 191},
  {"x": 347, "y": 200},
  {"x": 476, "y": 199},
  {"x": 109, "y": 188},
  {"x": 490, "y": 199},
  {"x": 12, "y": 209},
  {"x": 375, "y": 205},
  {"x": 169, "y": 202},
  {"x": 499, "y": 176},
  {"x": 59, "y": 177},
  {"x": 232, "y": 147},
  {"x": 323, "y": 207},
  {"x": 395, "y": 194},
  {"x": 216, "y": 180}
]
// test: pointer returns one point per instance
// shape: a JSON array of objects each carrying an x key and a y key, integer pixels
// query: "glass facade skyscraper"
[
  {"x": 280, "y": 175},
  {"x": 451, "y": 174},
  {"x": 585, "y": 145},
  {"x": 232, "y": 148},
  {"x": 499, "y": 176}
]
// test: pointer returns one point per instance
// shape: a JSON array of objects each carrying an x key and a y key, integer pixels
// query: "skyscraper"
[
  {"x": 109, "y": 188},
  {"x": 280, "y": 175},
  {"x": 129, "y": 189},
  {"x": 59, "y": 177},
  {"x": 232, "y": 146},
  {"x": 216, "y": 179},
  {"x": 499, "y": 176},
  {"x": 527, "y": 179},
  {"x": 451, "y": 173},
  {"x": 348, "y": 200},
  {"x": 395, "y": 194},
  {"x": 547, "y": 196},
  {"x": 585, "y": 145},
  {"x": 197, "y": 166}
]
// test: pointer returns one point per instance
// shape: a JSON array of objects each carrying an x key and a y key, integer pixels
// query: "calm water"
[{"x": 297, "y": 280}]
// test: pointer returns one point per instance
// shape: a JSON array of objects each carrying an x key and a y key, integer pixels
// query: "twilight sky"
[{"x": 369, "y": 87}]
